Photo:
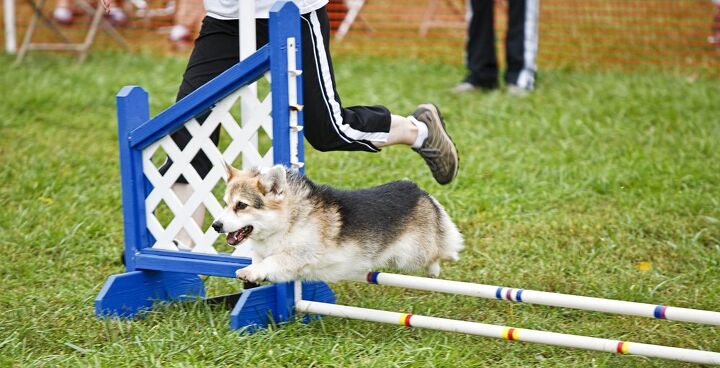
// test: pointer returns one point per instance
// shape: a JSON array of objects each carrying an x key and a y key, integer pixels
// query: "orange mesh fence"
[
  {"x": 582, "y": 34},
  {"x": 587, "y": 34}
]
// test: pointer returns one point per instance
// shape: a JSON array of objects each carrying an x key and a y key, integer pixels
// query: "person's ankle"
[
  {"x": 179, "y": 33},
  {"x": 116, "y": 16},
  {"x": 421, "y": 132}
]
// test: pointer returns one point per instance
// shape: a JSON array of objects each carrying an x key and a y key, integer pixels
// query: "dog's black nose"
[{"x": 217, "y": 225}]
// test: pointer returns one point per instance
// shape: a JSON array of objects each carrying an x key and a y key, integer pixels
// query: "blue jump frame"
[{"x": 164, "y": 276}]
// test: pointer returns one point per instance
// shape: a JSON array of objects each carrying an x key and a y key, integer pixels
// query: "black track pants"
[
  {"x": 328, "y": 125},
  {"x": 520, "y": 45}
]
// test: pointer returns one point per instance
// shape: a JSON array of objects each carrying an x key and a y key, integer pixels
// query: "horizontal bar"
[
  {"x": 221, "y": 257},
  {"x": 508, "y": 333},
  {"x": 544, "y": 298},
  {"x": 186, "y": 262},
  {"x": 239, "y": 75},
  {"x": 56, "y": 46}
]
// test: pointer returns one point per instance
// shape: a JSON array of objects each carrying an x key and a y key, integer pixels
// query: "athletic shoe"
[
  {"x": 116, "y": 16},
  {"x": 466, "y": 87},
  {"x": 63, "y": 15},
  {"x": 515, "y": 90},
  {"x": 438, "y": 150}
]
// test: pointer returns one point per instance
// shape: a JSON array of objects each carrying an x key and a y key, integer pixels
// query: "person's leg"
[
  {"x": 715, "y": 28},
  {"x": 63, "y": 12},
  {"x": 402, "y": 131},
  {"x": 115, "y": 14},
  {"x": 188, "y": 15},
  {"x": 480, "y": 55},
  {"x": 331, "y": 127},
  {"x": 216, "y": 49},
  {"x": 522, "y": 44}
]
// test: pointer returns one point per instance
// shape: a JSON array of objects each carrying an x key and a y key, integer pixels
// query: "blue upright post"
[
  {"x": 284, "y": 23},
  {"x": 128, "y": 293},
  {"x": 132, "y": 110},
  {"x": 275, "y": 303}
]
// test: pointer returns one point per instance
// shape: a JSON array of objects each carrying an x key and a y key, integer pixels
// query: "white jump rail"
[
  {"x": 544, "y": 298},
  {"x": 509, "y": 333},
  {"x": 520, "y": 334}
]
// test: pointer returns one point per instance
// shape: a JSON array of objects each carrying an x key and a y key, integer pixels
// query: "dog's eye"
[{"x": 240, "y": 206}]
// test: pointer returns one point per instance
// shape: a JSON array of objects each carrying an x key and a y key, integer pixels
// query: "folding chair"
[
  {"x": 430, "y": 18},
  {"x": 81, "y": 48},
  {"x": 353, "y": 13}
]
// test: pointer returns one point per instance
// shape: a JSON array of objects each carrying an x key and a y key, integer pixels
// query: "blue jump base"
[{"x": 170, "y": 276}]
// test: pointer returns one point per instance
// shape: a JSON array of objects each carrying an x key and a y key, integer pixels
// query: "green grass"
[{"x": 566, "y": 190}]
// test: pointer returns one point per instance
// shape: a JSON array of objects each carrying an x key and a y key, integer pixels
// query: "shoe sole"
[{"x": 432, "y": 107}]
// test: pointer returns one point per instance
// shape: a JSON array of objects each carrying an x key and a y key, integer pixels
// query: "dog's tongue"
[{"x": 234, "y": 238}]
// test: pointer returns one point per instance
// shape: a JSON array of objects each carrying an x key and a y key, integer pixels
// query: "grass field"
[{"x": 571, "y": 189}]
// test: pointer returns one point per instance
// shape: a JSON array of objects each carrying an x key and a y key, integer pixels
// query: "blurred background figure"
[
  {"x": 715, "y": 30},
  {"x": 188, "y": 17},
  {"x": 64, "y": 13},
  {"x": 521, "y": 46}
]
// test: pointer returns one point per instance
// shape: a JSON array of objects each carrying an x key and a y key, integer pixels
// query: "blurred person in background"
[
  {"x": 64, "y": 12},
  {"x": 714, "y": 37},
  {"x": 521, "y": 45},
  {"x": 188, "y": 17}
]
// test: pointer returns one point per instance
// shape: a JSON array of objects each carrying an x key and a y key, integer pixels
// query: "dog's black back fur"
[{"x": 380, "y": 211}]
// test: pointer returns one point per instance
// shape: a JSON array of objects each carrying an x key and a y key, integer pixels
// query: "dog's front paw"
[{"x": 250, "y": 274}]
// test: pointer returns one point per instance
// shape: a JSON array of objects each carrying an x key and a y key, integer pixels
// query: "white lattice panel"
[{"x": 243, "y": 142}]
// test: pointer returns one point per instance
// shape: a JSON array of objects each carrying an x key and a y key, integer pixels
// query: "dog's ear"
[
  {"x": 273, "y": 180},
  {"x": 229, "y": 170}
]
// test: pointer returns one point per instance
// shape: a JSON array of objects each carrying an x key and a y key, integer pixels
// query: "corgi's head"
[{"x": 253, "y": 201}]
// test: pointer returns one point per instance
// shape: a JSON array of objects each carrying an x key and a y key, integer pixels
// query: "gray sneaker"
[
  {"x": 517, "y": 91},
  {"x": 438, "y": 150},
  {"x": 465, "y": 87}
]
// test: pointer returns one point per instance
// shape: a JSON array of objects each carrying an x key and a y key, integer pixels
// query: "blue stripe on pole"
[
  {"x": 372, "y": 277},
  {"x": 498, "y": 293},
  {"x": 518, "y": 295},
  {"x": 659, "y": 312}
]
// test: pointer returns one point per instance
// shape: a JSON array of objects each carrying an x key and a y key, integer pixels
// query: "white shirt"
[{"x": 228, "y": 9}]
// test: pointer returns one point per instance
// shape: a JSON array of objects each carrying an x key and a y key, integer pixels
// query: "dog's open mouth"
[{"x": 236, "y": 237}]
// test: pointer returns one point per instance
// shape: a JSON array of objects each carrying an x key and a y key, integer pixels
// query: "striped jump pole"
[
  {"x": 508, "y": 333},
  {"x": 544, "y": 298}
]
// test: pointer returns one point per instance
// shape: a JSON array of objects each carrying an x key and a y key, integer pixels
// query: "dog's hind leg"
[{"x": 433, "y": 269}]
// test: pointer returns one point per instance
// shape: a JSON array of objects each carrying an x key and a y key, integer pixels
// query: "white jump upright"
[{"x": 519, "y": 334}]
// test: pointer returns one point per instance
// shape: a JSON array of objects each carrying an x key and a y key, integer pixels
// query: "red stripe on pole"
[{"x": 620, "y": 347}]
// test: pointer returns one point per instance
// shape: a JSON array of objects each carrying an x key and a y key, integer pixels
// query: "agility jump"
[
  {"x": 517, "y": 334},
  {"x": 157, "y": 271}
]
